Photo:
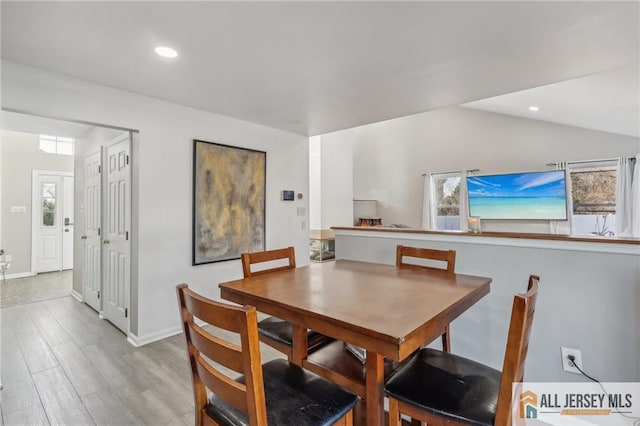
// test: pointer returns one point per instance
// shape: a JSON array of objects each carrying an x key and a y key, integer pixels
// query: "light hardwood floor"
[
  {"x": 62, "y": 365},
  {"x": 50, "y": 285}
]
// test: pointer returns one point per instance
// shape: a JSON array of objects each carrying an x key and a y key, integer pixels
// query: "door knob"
[
  {"x": 105, "y": 242},
  {"x": 84, "y": 237}
]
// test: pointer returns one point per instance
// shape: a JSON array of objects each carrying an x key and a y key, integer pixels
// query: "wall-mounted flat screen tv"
[{"x": 530, "y": 196}]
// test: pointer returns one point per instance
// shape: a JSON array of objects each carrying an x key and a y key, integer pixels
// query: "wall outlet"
[{"x": 569, "y": 366}]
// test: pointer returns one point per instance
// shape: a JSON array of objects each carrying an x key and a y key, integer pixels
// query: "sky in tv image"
[
  {"x": 539, "y": 185},
  {"x": 537, "y": 195}
]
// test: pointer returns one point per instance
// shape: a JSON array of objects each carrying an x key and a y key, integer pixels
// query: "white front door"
[
  {"x": 67, "y": 222},
  {"x": 47, "y": 223},
  {"x": 92, "y": 272},
  {"x": 116, "y": 237}
]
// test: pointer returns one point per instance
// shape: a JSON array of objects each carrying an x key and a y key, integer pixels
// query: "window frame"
[
  {"x": 434, "y": 204},
  {"x": 58, "y": 141},
  {"x": 581, "y": 166}
]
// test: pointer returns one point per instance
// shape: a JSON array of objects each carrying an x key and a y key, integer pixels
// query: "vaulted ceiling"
[
  {"x": 608, "y": 101},
  {"x": 316, "y": 67}
]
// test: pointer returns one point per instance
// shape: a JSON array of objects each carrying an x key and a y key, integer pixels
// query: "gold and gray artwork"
[{"x": 229, "y": 202}]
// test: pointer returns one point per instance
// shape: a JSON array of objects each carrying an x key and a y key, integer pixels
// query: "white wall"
[
  {"x": 162, "y": 175},
  {"x": 337, "y": 182},
  {"x": 389, "y": 157},
  {"x": 1, "y": 183},
  {"x": 315, "y": 183},
  {"x": 588, "y": 300},
  {"x": 22, "y": 154},
  {"x": 331, "y": 182}
]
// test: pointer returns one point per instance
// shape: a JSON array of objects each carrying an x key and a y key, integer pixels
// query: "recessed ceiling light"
[
  {"x": 166, "y": 52},
  {"x": 534, "y": 108}
]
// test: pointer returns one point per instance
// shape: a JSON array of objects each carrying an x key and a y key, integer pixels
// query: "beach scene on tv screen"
[{"x": 538, "y": 195}]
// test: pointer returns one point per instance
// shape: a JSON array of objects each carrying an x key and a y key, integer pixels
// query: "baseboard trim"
[
  {"x": 77, "y": 296},
  {"x": 19, "y": 275},
  {"x": 138, "y": 341}
]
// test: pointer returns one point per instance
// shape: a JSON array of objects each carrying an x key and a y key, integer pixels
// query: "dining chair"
[
  {"x": 446, "y": 256},
  {"x": 442, "y": 388},
  {"x": 276, "y": 332},
  {"x": 276, "y": 393}
]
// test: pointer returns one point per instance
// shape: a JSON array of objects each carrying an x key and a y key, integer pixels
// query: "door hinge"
[
  {"x": 127, "y": 159},
  {"x": 126, "y": 312},
  {"x": 99, "y": 169},
  {"x": 98, "y": 232},
  {"x": 98, "y": 295},
  {"x": 126, "y": 235}
]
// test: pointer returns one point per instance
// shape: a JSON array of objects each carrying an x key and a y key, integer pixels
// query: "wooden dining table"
[{"x": 389, "y": 311}]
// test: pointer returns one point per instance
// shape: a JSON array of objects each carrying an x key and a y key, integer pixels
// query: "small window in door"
[{"x": 48, "y": 204}]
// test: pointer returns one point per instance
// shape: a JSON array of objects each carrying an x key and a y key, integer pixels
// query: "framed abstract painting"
[{"x": 228, "y": 201}]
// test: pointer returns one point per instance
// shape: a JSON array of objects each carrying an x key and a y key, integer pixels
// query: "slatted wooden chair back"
[
  {"x": 446, "y": 256},
  {"x": 244, "y": 359},
  {"x": 516, "y": 351},
  {"x": 249, "y": 259}
]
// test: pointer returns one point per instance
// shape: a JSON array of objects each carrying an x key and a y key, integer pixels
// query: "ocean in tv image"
[{"x": 536, "y": 195}]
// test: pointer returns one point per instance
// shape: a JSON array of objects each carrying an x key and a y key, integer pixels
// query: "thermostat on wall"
[{"x": 288, "y": 195}]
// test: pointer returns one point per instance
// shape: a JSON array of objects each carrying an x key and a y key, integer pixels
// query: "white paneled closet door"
[
  {"x": 116, "y": 234},
  {"x": 92, "y": 271}
]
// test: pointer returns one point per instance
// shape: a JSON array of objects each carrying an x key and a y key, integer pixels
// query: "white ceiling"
[
  {"x": 41, "y": 126},
  {"x": 608, "y": 101},
  {"x": 316, "y": 67}
]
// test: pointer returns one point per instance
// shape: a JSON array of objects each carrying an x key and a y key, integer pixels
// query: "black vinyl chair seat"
[
  {"x": 294, "y": 396},
  {"x": 282, "y": 331},
  {"x": 447, "y": 385}
]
